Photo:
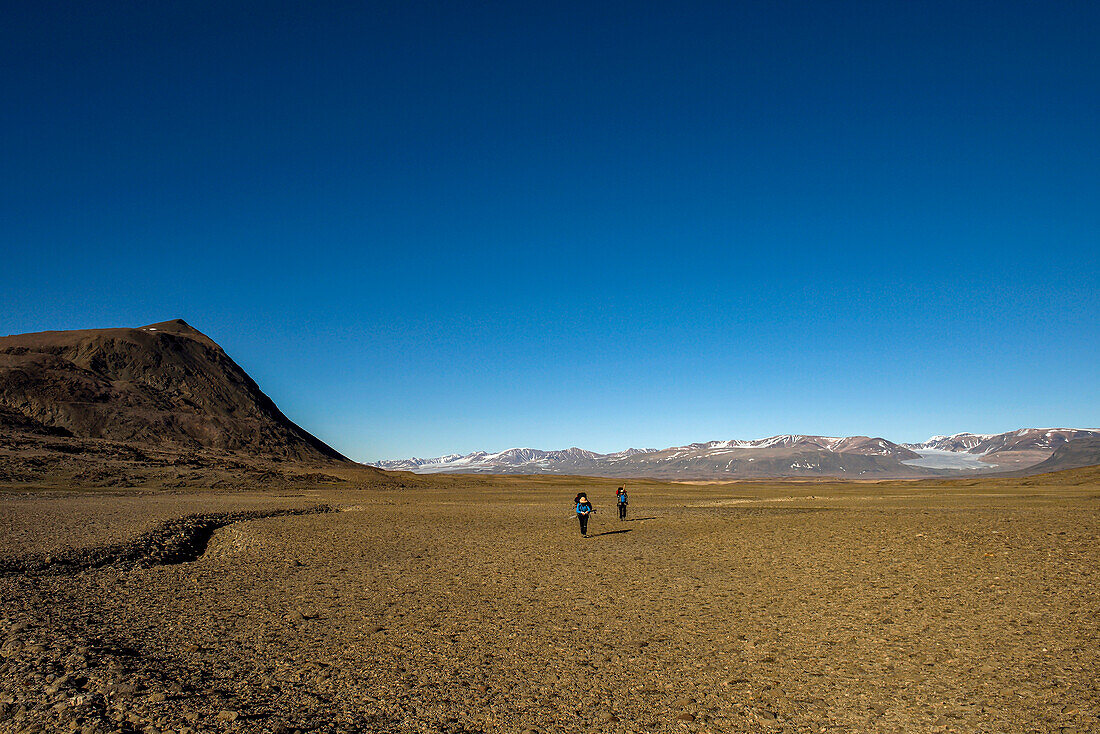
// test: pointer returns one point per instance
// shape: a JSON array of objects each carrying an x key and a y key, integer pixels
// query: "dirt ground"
[{"x": 478, "y": 607}]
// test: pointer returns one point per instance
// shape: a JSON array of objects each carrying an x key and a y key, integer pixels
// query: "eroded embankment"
[{"x": 175, "y": 541}]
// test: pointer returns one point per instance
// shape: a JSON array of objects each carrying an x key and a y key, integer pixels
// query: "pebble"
[
  {"x": 766, "y": 717},
  {"x": 227, "y": 716}
]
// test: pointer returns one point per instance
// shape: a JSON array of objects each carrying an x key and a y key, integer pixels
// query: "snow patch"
[{"x": 941, "y": 459}]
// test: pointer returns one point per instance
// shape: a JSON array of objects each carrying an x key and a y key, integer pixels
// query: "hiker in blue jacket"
[
  {"x": 584, "y": 509},
  {"x": 620, "y": 498}
]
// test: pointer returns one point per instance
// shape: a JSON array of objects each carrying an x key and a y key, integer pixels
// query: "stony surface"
[
  {"x": 178, "y": 540},
  {"x": 479, "y": 608},
  {"x": 35, "y": 524}
]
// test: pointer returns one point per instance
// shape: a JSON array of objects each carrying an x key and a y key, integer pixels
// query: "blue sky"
[{"x": 440, "y": 227}]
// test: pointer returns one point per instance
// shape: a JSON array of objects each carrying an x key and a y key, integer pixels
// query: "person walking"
[
  {"x": 620, "y": 498},
  {"x": 584, "y": 509}
]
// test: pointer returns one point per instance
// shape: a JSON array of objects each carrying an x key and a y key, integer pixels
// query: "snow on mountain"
[
  {"x": 482, "y": 460},
  {"x": 783, "y": 455},
  {"x": 849, "y": 444},
  {"x": 575, "y": 460},
  {"x": 955, "y": 442},
  {"x": 627, "y": 454},
  {"x": 1024, "y": 439}
]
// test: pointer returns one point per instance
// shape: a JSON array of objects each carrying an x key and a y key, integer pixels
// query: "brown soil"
[{"x": 474, "y": 605}]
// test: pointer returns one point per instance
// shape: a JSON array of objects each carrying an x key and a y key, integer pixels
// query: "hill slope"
[
  {"x": 1082, "y": 452},
  {"x": 165, "y": 384}
]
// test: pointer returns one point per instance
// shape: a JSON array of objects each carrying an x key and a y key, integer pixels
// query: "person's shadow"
[
  {"x": 636, "y": 519},
  {"x": 610, "y": 532}
]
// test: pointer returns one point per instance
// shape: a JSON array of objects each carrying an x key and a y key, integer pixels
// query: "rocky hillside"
[
  {"x": 163, "y": 385},
  {"x": 1074, "y": 454}
]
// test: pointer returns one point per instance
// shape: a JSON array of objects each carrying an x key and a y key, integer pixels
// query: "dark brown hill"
[{"x": 165, "y": 384}]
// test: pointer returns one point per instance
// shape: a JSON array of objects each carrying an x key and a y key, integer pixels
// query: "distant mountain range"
[{"x": 789, "y": 456}]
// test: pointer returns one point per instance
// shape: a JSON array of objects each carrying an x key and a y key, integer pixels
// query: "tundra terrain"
[{"x": 472, "y": 604}]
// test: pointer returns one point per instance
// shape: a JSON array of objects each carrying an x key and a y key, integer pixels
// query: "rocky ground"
[{"x": 479, "y": 608}]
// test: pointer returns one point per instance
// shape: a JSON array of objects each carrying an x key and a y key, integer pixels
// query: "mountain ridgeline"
[
  {"x": 164, "y": 385},
  {"x": 791, "y": 456}
]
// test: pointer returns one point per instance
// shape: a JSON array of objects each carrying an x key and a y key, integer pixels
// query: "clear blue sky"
[{"x": 434, "y": 227}]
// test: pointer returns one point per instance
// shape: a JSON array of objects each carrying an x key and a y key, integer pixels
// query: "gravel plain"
[{"x": 477, "y": 607}]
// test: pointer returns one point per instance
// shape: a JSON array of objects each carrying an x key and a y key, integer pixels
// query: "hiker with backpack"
[
  {"x": 584, "y": 509},
  {"x": 620, "y": 498}
]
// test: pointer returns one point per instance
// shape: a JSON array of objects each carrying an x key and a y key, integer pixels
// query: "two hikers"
[{"x": 584, "y": 508}]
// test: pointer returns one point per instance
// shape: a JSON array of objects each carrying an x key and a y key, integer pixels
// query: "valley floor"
[{"x": 477, "y": 607}]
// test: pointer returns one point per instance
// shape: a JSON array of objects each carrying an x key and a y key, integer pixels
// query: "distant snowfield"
[{"x": 940, "y": 459}]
